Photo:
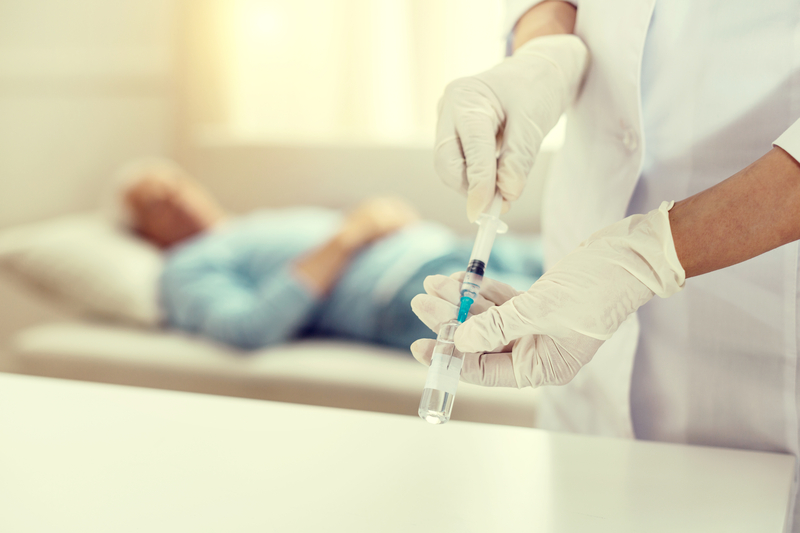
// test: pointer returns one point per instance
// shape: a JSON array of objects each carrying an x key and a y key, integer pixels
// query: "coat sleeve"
[
  {"x": 216, "y": 301},
  {"x": 790, "y": 140}
]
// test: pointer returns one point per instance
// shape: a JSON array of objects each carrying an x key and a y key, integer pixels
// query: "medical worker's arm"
[
  {"x": 551, "y": 17},
  {"x": 750, "y": 213},
  {"x": 545, "y": 334},
  {"x": 491, "y": 125}
]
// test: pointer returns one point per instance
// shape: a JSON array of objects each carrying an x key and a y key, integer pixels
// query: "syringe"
[
  {"x": 442, "y": 381},
  {"x": 489, "y": 225}
]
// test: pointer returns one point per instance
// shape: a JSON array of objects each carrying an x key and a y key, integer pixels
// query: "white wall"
[
  {"x": 87, "y": 84},
  {"x": 84, "y": 85},
  {"x": 248, "y": 176}
]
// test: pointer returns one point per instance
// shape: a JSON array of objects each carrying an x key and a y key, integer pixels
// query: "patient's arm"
[
  {"x": 203, "y": 290},
  {"x": 322, "y": 267},
  {"x": 371, "y": 220},
  {"x": 212, "y": 299}
]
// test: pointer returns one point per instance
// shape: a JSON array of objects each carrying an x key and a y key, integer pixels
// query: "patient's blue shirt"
[{"x": 236, "y": 284}]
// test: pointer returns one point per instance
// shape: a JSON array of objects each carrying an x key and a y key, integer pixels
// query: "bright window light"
[{"x": 351, "y": 71}]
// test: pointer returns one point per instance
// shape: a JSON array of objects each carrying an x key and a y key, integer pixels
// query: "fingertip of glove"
[
  {"x": 420, "y": 306},
  {"x": 511, "y": 183},
  {"x": 465, "y": 340},
  {"x": 433, "y": 282},
  {"x": 458, "y": 276},
  {"x": 419, "y": 352},
  {"x": 417, "y": 302},
  {"x": 477, "y": 203}
]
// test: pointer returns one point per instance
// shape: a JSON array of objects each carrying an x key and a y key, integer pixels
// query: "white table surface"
[{"x": 89, "y": 457}]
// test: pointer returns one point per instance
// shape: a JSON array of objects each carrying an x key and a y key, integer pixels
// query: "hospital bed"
[{"x": 43, "y": 336}]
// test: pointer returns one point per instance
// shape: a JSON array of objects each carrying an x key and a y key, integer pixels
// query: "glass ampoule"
[{"x": 443, "y": 375}]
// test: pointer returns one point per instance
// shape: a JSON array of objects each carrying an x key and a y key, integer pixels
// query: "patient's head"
[{"x": 161, "y": 202}]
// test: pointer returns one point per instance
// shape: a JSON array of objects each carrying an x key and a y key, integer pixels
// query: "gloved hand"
[
  {"x": 506, "y": 110},
  {"x": 545, "y": 335}
]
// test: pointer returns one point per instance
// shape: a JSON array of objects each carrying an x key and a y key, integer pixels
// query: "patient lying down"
[{"x": 277, "y": 274}]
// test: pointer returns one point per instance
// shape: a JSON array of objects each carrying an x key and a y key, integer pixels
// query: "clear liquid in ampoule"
[{"x": 440, "y": 386}]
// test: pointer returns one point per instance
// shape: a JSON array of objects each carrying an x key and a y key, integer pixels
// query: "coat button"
[{"x": 630, "y": 139}]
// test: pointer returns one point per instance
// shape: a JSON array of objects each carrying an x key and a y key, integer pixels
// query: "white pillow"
[{"x": 89, "y": 262}]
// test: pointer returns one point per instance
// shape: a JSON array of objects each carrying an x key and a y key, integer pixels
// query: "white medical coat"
[{"x": 680, "y": 95}]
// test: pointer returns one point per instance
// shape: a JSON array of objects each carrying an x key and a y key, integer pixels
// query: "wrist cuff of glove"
[
  {"x": 567, "y": 52},
  {"x": 675, "y": 276},
  {"x": 643, "y": 246}
]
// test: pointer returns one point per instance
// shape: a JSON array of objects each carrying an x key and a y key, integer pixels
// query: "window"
[{"x": 345, "y": 71}]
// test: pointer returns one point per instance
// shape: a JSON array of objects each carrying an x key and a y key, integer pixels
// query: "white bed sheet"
[{"x": 318, "y": 372}]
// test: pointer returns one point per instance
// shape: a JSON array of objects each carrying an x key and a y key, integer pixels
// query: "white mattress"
[{"x": 318, "y": 372}]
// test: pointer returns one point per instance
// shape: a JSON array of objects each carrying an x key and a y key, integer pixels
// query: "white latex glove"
[
  {"x": 492, "y": 125},
  {"x": 545, "y": 335}
]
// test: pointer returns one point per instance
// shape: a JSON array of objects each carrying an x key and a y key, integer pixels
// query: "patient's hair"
[{"x": 114, "y": 205}]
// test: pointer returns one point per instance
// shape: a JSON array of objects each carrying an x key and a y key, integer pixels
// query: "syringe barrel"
[
  {"x": 473, "y": 278},
  {"x": 487, "y": 231},
  {"x": 443, "y": 375}
]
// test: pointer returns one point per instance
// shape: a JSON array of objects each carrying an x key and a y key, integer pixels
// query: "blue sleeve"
[{"x": 212, "y": 299}]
